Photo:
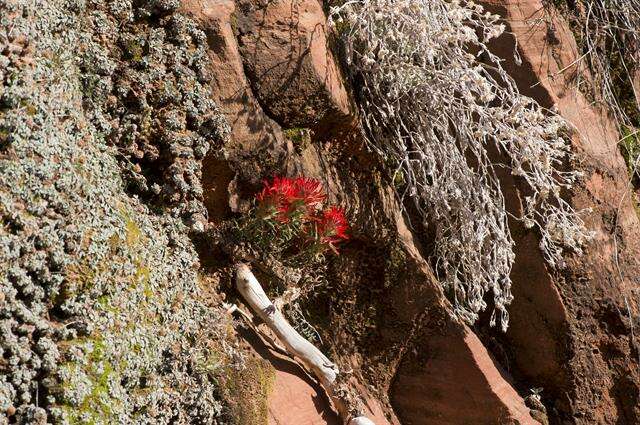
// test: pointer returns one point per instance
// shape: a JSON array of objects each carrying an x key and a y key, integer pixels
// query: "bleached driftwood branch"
[
  {"x": 232, "y": 308},
  {"x": 297, "y": 346}
]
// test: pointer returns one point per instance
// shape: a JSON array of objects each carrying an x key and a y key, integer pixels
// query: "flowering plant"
[
  {"x": 290, "y": 209},
  {"x": 332, "y": 227},
  {"x": 288, "y": 233}
]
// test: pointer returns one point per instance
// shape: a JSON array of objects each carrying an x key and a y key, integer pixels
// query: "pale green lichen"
[{"x": 90, "y": 273}]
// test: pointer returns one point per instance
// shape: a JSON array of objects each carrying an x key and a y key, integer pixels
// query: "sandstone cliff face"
[
  {"x": 128, "y": 165},
  {"x": 573, "y": 330},
  {"x": 547, "y": 344}
]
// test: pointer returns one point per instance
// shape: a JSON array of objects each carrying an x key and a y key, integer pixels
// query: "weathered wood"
[{"x": 297, "y": 346}]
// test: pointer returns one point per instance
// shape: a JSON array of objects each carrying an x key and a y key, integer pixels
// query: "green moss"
[
  {"x": 103, "y": 302},
  {"x": 114, "y": 243},
  {"x": 399, "y": 180},
  {"x": 146, "y": 123},
  {"x": 630, "y": 148},
  {"x": 396, "y": 265},
  {"x": 98, "y": 351},
  {"x": 211, "y": 365},
  {"x": 4, "y": 138},
  {"x": 143, "y": 272},
  {"x": 141, "y": 278},
  {"x": 29, "y": 107},
  {"x": 148, "y": 291},
  {"x": 233, "y": 21},
  {"x": 134, "y": 50},
  {"x": 97, "y": 406},
  {"x": 133, "y": 234},
  {"x": 248, "y": 391},
  {"x": 79, "y": 167},
  {"x": 301, "y": 137}
]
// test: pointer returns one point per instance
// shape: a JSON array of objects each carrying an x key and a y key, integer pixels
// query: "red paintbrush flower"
[
  {"x": 332, "y": 226},
  {"x": 276, "y": 198},
  {"x": 285, "y": 198},
  {"x": 310, "y": 192},
  {"x": 292, "y": 208},
  {"x": 282, "y": 188}
]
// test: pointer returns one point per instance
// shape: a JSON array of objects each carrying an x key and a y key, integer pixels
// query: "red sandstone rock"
[
  {"x": 284, "y": 45},
  {"x": 250, "y": 127},
  {"x": 443, "y": 374},
  {"x": 570, "y": 332}
]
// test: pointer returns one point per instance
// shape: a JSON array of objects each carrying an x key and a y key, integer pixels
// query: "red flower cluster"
[
  {"x": 332, "y": 226},
  {"x": 276, "y": 199},
  {"x": 310, "y": 192},
  {"x": 286, "y": 199},
  {"x": 298, "y": 201}
]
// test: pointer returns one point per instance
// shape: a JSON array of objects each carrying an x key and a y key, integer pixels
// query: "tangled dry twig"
[
  {"x": 437, "y": 104},
  {"x": 609, "y": 34}
]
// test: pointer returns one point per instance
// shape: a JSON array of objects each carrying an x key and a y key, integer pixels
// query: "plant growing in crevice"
[
  {"x": 439, "y": 115},
  {"x": 630, "y": 147},
  {"x": 608, "y": 33},
  {"x": 288, "y": 234}
]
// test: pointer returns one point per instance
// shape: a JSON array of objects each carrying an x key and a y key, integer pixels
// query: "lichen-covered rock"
[
  {"x": 144, "y": 86},
  {"x": 102, "y": 315}
]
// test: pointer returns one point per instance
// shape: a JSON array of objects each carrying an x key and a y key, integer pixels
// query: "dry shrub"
[
  {"x": 435, "y": 102},
  {"x": 608, "y": 31}
]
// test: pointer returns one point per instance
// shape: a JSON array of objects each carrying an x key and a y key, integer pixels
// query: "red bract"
[
  {"x": 286, "y": 198},
  {"x": 310, "y": 192},
  {"x": 332, "y": 226},
  {"x": 282, "y": 188},
  {"x": 295, "y": 204},
  {"x": 276, "y": 198}
]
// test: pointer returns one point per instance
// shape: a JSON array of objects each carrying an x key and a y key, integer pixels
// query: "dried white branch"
[
  {"x": 298, "y": 347},
  {"x": 232, "y": 308}
]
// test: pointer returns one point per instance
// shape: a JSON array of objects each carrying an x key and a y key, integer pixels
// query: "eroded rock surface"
[
  {"x": 549, "y": 307},
  {"x": 114, "y": 157},
  {"x": 404, "y": 306},
  {"x": 292, "y": 70},
  {"x": 571, "y": 330}
]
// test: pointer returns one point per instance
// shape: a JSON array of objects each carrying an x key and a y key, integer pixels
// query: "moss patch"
[
  {"x": 249, "y": 389},
  {"x": 97, "y": 406},
  {"x": 301, "y": 137},
  {"x": 630, "y": 148}
]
